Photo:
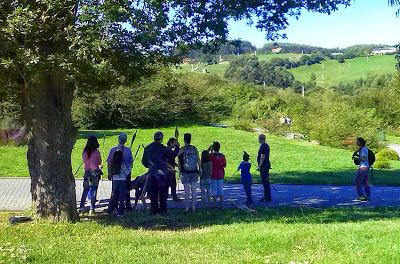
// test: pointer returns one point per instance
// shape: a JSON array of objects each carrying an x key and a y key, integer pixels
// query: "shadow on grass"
[
  {"x": 177, "y": 220},
  {"x": 338, "y": 177}
]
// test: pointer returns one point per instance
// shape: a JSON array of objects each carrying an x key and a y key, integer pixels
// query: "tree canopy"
[{"x": 51, "y": 50}]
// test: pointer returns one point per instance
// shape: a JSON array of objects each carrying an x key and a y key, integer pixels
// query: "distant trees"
[
  {"x": 249, "y": 69},
  {"x": 297, "y": 48}
]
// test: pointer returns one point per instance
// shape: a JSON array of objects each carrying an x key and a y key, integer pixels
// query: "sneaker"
[
  {"x": 91, "y": 212},
  {"x": 81, "y": 210},
  {"x": 176, "y": 199},
  {"x": 362, "y": 199},
  {"x": 120, "y": 215}
]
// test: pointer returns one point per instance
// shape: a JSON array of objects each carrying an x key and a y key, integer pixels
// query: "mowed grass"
[
  {"x": 331, "y": 72},
  {"x": 210, "y": 236},
  {"x": 292, "y": 161}
]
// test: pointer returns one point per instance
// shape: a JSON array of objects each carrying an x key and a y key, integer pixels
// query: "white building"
[{"x": 382, "y": 51}]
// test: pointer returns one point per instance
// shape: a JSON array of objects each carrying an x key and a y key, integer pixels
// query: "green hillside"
[{"x": 331, "y": 72}]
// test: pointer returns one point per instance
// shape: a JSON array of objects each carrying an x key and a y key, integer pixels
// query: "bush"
[
  {"x": 243, "y": 124},
  {"x": 388, "y": 154},
  {"x": 382, "y": 164}
]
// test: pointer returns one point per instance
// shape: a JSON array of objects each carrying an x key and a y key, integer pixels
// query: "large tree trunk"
[{"x": 51, "y": 139}]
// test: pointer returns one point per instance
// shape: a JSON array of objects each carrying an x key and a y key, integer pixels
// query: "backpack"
[
  {"x": 190, "y": 159},
  {"x": 371, "y": 157}
]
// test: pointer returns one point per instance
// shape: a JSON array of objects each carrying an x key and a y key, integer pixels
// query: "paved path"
[{"x": 15, "y": 195}]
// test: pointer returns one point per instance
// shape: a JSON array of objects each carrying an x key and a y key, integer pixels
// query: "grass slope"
[
  {"x": 292, "y": 161},
  {"x": 331, "y": 72},
  {"x": 210, "y": 236}
]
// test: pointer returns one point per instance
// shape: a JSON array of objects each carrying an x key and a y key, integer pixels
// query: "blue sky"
[{"x": 364, "y": 22}]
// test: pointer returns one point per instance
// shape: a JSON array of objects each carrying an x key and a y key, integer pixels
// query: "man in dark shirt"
[
  {"x": 264, "y": 165},
  {"x": 155, "y": 158}
]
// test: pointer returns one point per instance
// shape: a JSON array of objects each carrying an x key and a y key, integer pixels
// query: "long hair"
[
  {"x": 91, "y": 145},
  {"x": 205, "y": 156},
  {"x": 116, "y": 162}
]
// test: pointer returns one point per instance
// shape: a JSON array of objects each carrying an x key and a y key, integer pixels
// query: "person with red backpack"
[
  {"x": 189, "y": 165},
  {"x": 364, "y": 158}
]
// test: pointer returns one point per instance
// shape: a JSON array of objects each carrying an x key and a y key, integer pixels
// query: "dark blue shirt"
[
  {"x": 264, "y": 149},
  {"x": 244, "y": 168},
  {"x": 156, "y": 156}
]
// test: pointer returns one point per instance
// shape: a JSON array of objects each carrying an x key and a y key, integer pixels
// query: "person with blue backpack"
[
  {"x": 189, "y": 165},
  {"x": 364, "y": 158}
]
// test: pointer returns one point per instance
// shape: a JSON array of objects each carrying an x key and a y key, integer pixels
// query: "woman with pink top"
[{"x": 93, "y": 164}]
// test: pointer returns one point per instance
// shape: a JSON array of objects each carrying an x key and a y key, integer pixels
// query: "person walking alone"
[{"x": 362, "y": 159}]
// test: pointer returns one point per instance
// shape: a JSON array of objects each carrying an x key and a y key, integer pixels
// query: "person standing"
[
  {"x": 205, "y": 177},
  {"x": 171, "y": 165},
  {"x": 264, "y": 165},
  {"x": 119, "y": 171},
  {"x": 362, "y": 159},
  {"x": 92, "y": 163},
  {"x": 218, "y": 162},
  {"x": 189, "y": 165},
  {"x": 128, "y": 159},
  {"x": 246, "y": 178},
  {"x": 155, "y": 158}
]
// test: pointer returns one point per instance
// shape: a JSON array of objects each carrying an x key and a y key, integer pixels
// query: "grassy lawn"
[
  {"x": 292, "y": 161},
  {"x": 331, "y": 72},
  {"x": 210, "y": 236}
]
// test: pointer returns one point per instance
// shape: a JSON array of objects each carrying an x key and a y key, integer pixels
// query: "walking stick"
[
  {"x": 179, "y": 175},
  {"x": 133, "y": 138}
]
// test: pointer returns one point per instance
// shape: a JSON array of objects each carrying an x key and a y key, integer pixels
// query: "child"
[
  {"x": 218, "y": 162},
  {"x": 119, "y": 173},
  {"x": 205, "y": 175},
  {"x": 92, "y": 162},
  {"x": 244, "y": 168}
]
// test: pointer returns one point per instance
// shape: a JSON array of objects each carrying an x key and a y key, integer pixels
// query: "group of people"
[{"x": 163, "y": 163}]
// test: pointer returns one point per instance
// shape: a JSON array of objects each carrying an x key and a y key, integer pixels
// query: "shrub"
[
  {"x": 388, "y": 154},
  {"x": 243, "y": 124},
  {"x": 382, "y": 164}
]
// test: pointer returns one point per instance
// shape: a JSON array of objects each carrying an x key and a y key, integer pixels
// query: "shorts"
[
  {"x": 217, "y": 187},
  {"x": 205, "y": 184},
  {"x": 188, "y": 178}
]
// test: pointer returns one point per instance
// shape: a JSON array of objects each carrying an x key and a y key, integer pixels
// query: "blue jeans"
[
  {"x": 247, "y": 188},
  {"x": 91, "y": 193},
  {"x": 118, "y": 194}
]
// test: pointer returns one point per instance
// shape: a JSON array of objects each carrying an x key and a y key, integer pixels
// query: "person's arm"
[
  {"x": 145, "y": 160},
  {"x": 130, "y": 158},
  {"x": 223, "y": 161},
  {"x": 109, "y": 160},
  {"x": 240, "y": 166}
]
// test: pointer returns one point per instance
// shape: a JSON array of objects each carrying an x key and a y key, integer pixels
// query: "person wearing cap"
[
  {"x": 155, "y": 158},
  {"x": 127, "y": 159},
  {"x": 264, "y": 165},
  {"x": 245, "y": 175}
]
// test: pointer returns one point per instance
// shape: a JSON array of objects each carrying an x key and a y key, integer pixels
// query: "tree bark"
[{"x": 51, "y": 138}]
